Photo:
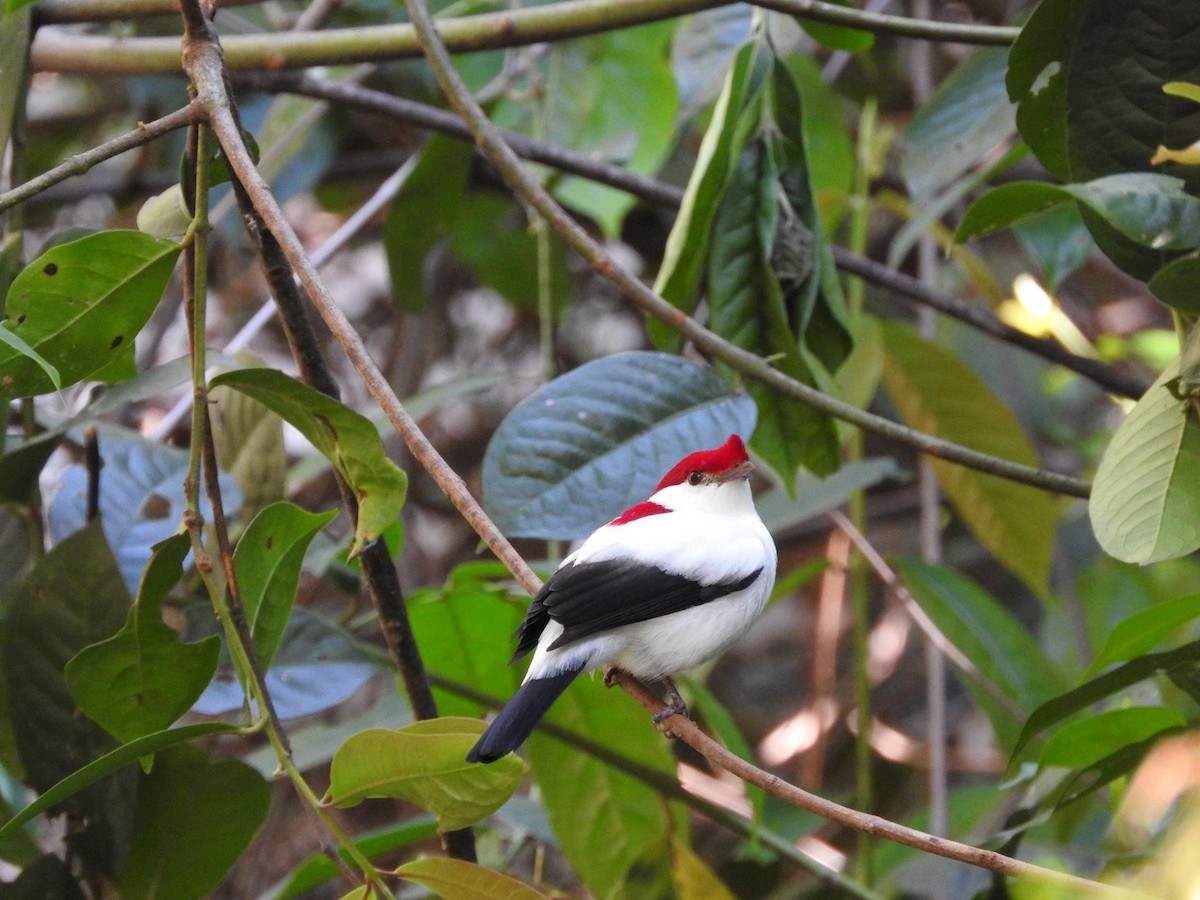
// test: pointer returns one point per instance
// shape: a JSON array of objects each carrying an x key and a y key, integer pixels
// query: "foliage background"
[{"x": 1046, "y": 188}]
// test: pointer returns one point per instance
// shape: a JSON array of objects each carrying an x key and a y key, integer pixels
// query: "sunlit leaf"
[
  {"x": 347, "y": 439},
  {"x": 1144, "y": 506},
  {"x": 425, "y": 764},
  {"x": 80, "y": 305},
  {"x": 1087, "y": 741},
  {"x": 456, "y": 879},
  {"x": 938, "y": 394},
  {"x": 1144, "y": 631},
  {"x": 597, "y": 440}
]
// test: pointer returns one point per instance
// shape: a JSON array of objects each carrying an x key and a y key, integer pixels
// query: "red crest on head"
[{"x": 710, "y": 462}]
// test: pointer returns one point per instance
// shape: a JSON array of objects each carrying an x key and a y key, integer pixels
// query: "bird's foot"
[
  {"x": 610, "y": 676},
  {"x": 675, "y": 707}
]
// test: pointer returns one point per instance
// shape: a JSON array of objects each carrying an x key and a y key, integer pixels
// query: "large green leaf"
[
  {"x": 425, "y": 764},
  {"x": 1087, "y": 741},
  {"x": 80, "y": 305},
  {"x": 346, "y": 438},
  {"x": 113, "y": 761},
  {"x": 606, "y": 829},
  {"x": 598, "y": 439},
  {"x": 683, "y": 265},
  {"x": 967, "y": 116},
  {"x": 1062, "y": 70},
  {"x": 74, "y": 597},
  {"x": 1177, "y": 284},
  {"x": 249, "y": 444},
  {"x": 989, "y": 636},
  {"x": 937, "y": 393},
  {"x": 1145, "y": 503},
  {"x": 747, "y": 307},
  {"x": 422, "y": 214},
  {"x": 267, "y": 564},
  {"x": 456, "y": 879},
  {"x": 1139, "y": 669},
  {"x": 194, "y": 819},
  {"x": 587, "y": 109},
  {"x": 1144, "y": 631},
  {"x": 143, "y": 678},
  {"x": 1149, "y": 209}
]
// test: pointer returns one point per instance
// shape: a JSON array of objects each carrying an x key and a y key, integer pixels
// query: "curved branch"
[
  {"x": 652, "y": 191},
  {"x": 62, "y": 12},
  {"x": 66, "y": 52},
  {"x": 901, "y": 26},
  {"x": 509, "y": 165},
  {"x": 686, "y": 730}
]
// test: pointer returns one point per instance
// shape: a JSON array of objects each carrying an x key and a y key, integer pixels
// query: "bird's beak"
[{"x": 741, "y": 470}]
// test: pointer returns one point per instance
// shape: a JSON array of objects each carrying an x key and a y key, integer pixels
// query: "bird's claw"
[{"x": 675, "y": 707}]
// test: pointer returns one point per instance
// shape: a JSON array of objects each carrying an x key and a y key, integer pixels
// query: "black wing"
[{"x": 591, "y": 597}]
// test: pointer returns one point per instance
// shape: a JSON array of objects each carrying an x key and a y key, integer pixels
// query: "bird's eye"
[{"x": 695, "y": 478}]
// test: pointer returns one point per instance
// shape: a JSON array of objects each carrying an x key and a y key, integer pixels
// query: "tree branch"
[
  {"x": 686, "y": 730},
  {"x": 488, "y": 137},
  {"x": 82, "y": 162},
  {"x": 62, "y": 52},
  {"x": 901, "y": 26},
  {"x": 897, "y": 283}
]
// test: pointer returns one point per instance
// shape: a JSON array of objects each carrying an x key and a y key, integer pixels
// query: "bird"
[{"x": 668, "y": 584}]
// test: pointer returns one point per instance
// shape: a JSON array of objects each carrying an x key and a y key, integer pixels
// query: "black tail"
[{"x": 520, "y": 715}]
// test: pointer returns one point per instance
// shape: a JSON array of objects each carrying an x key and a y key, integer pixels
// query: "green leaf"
[
  {"x": 586, "y": 109},
  {"x": 597, "y": 440},
  {"x": 124, "y": 755},
  {"x": 14, "y": 82},
  {"x": 143, "y": 678},
  {"x": 1182, "y": 89},
  {"x": 1061, "y": 73},
  {"x": 1058, "y": 240},
  {"x": 80, "y": 306},
  {"x": 319, "y": 868},
  {"x": 459, "y": 630},
  {"x": 1144, "y": 631},
  {"x": 839, "y": 37},
  {"x": 21, "y": 466},
  {"x": 1000, "y": 648},
  {"x": 15, "y": 342},
  {"x": 194, "y": 819},
  {"x": 1148, "y": 209},
  {"x": 824, "y": 126},
  {"x": 1055, "y": 710},
  {"x": 747, "y": 307},
  {"x": 1144, "y": 506},
  {"x": 249, "y": 444},
  {"x": 683, "y": 266},
  {"x": 603, "y": 830},
  {"x": 347, "y": 439},
  {"x": 959, "y": 125},
  {"x": 692, "y": 877},
  {"x": 1177, "y": 284},
  {"x": 938, "y": 394},
  {"x": 425, "y": 764},
  {"x": 423, "y": 213},
  {"x": 1086, "y": 742},
  {"x": 267, "y": 564},
  {"x": 456, "y": 879}
]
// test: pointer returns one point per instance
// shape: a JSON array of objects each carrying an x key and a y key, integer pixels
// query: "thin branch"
[
  {"x": 901, "y": 26},
  {"x": 671, "y": 788},
  {"x": 63, "y": 12},
  {"x": 57, "y": 51},
  {"x": 897, "y": 283},
  {"x": 82, "y": 162},
  {"x": 686, "y": 730},
  {"x": 489, "y": 139}
]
